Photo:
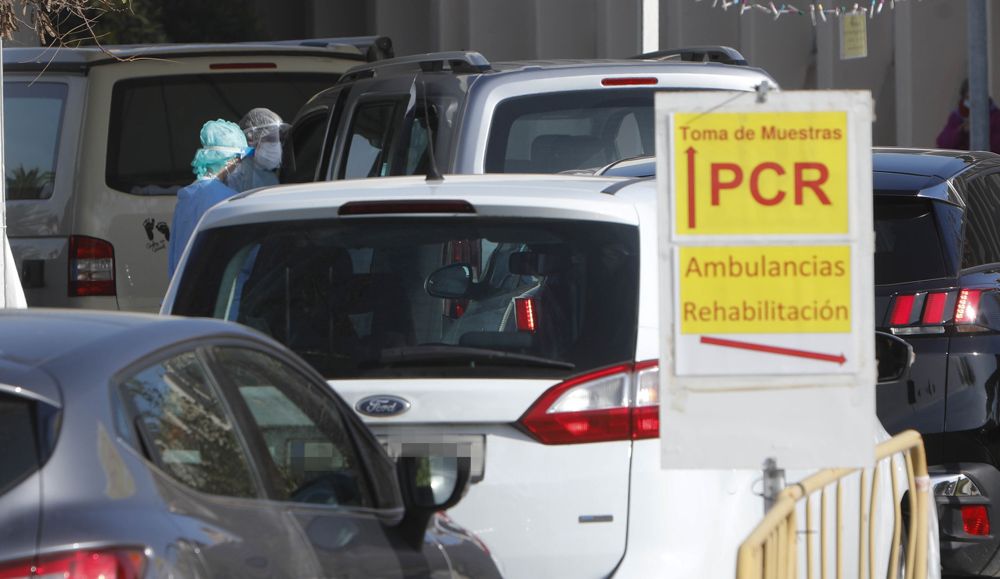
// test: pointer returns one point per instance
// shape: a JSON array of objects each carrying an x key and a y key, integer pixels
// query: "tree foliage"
[
  {"x": 82, "y": 22},
  {"x": 47, "y": 17}
]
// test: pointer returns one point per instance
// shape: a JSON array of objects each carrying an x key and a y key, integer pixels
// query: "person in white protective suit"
[{"x": 265, "y": 133}]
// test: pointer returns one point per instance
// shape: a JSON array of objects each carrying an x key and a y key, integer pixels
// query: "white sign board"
[{"x": 766, "y": 279}]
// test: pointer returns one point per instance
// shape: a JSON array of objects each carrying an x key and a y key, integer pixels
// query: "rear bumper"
[{"x": 962, "y": 553}]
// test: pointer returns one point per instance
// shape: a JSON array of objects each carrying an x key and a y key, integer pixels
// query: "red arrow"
[
  {"x": 690, "y": 154},
  {"x": 839, "y": 359}
]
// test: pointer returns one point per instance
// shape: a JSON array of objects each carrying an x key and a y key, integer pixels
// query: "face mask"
[{"x": 268, "y": 156}]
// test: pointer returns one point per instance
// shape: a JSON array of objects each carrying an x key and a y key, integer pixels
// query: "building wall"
[{"x": 916, "y": 52}]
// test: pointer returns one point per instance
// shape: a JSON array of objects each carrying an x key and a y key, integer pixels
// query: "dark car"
[
  {"x": 937, "y": 284},
  {"x": 146, "y": 446}
]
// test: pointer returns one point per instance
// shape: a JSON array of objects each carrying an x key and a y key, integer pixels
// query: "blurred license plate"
[{"x": 472, "y": 446}]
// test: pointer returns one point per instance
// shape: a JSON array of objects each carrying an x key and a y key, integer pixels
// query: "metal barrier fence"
[{"x": 772, "y": 549}]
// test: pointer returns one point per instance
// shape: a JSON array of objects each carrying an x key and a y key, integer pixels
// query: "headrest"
[
  {"x": 537, "y": 263},
  {"x": 555, "y": 153}
]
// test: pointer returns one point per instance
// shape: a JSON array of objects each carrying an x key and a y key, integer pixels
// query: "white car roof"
[{"x": 493, "y": 195}]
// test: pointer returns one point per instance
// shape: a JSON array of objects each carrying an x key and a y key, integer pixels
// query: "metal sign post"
[{"x": 766, "y": 279}]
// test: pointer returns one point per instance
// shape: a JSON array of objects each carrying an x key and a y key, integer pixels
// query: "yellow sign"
[
  {"x": 853, "y": 36},
  {"x": 761, "y": 173},
  {"x": 765, "y": 290}
]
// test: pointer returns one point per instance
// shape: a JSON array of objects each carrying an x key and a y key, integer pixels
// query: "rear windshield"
[
  {"x": 18, "y": 439},
  {"x": 551, "y": 133},
  {"x": 357, "y": 298},
  {"x": 915, "y": 239},
  {"x": 32, "y": 117},
  {"x": 155, "y": 122}
]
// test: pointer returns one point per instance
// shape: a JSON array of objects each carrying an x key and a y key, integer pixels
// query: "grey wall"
[{"x": 500, "y": 29}]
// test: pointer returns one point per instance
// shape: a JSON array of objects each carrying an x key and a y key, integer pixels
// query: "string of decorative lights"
[{"x": 817, "y": 12}]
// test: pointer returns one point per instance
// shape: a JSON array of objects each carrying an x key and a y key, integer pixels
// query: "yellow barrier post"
[{"x": 771, "y": 549}]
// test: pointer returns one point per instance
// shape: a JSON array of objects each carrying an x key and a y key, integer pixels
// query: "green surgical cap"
[{"x": 221, "y": 142}]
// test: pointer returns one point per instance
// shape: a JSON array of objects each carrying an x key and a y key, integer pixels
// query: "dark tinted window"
[
  {"x": 369, "y": 141},
  {"x": 914, "y": 239},
  {"x": 155, "y": 122},
  {"x": 312, "y": 455},
  {"x": 32, "y": 117},
  {"x": 302, "y": 156},
  {"x": 982, "y": 221},
  {"x": 19, "y": 449},
  {"x": 183, "y": 425},
  {"x": 349, "y": 296},
  {"x": 549, "y": 133}
]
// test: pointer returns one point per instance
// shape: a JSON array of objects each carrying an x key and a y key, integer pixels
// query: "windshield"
[
  {"x": 471, "y": 297},
  {"x": 552, "y": 133}
]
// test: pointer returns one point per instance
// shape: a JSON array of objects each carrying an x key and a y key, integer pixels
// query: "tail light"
[
  {"x": 932, "y": 312},
  {"x": 615, "y": 403},
  {"x": 975, "y": 520},
  {"x": 91, "y": 267},
  {"x": 84, "y": 564}
]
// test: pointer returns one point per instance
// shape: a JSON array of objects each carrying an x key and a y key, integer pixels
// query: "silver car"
[{"x": 145, "y": 446}]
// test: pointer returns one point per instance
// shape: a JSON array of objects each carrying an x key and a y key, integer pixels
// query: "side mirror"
[
  {"x": 894, "y": 356},
  {"x": 429, "y": 484},
  {"x": 451, "y": 281}
]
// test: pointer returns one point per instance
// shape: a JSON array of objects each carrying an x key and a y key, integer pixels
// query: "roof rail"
[
  {"x": 461, "y": 62},
  {"x": 721, "y": 54},
  {"x": 616, "y": 187}
]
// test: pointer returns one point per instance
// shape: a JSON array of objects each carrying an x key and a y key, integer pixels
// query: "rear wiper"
[{"x": 462, "y": 355}]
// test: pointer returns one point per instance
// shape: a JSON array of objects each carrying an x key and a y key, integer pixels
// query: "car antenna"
[{"x": 433, "y": 174}]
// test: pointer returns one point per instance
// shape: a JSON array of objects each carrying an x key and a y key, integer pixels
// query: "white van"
[{"x": 99, "y": 141}]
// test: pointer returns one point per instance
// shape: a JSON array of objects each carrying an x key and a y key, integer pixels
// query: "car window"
[
  {"x": 18, "y": 439},
  {"x": 911, "y": 238},
  {"x": 311, "y": 451},
  {"x": 982, "y": 216},
  {"x": 369, "y": 141},
  {"x": 306, "y": 144},
  {"x": 184, "y": 427},
  {"x": 350, "y": 296},
  {"x": 155, "y": 122},
  {"x": 33, "y": 117},
  {"x": 550, "y": 133}
]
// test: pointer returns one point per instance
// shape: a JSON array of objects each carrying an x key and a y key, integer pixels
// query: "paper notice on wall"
[{"x": 853, "y": 36}]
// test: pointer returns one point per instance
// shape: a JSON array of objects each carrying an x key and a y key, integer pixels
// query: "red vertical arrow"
[{"x": 690, "y": 155}]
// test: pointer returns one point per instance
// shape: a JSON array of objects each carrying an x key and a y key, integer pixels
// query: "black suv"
[
  {"x": 488, "y": 117},
  {"x": 937, "y": 284}
]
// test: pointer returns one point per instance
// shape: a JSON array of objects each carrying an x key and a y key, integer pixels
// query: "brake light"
[
  {"x": 902, "y": 310},
  {"x": 85, "y": 564},
  {"x": 967, "y": 307},
  {"x": 415, "y": 206},
  {"x": 975, "y": 520},
  {"x": 91, "y": 267},
  {"x": 526, "y": 314},
  {"x": 615, "y": 403},
  {"x": 629, "y": 81},
  {"x": 929, "y": 313},
  {"x": 934, "y": 308},
  {"x": 241, "y": 65}
]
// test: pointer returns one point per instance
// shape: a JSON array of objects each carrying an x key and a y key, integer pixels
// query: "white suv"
[{"x": 505, "y": 318}]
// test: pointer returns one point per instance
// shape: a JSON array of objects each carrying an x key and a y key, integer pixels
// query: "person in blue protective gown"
[
  {"x": 265, "y": 133},
  {"x": 223, "y": 144}
]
